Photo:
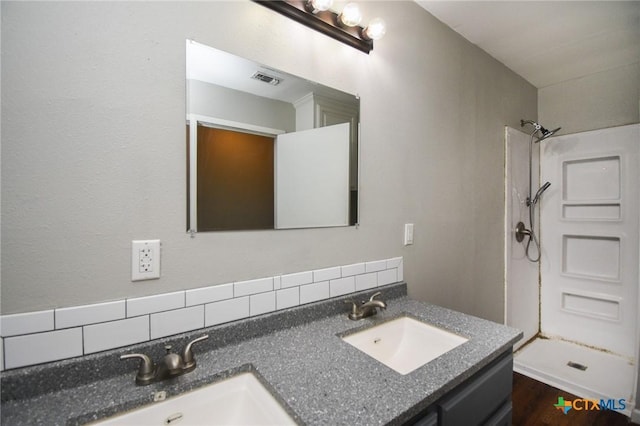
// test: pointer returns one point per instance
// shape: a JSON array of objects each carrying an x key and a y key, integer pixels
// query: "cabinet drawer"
[
  {"x": 480, "y": 396},
  {"x": 430, "y": 419},
  {"x": 502, "y": 417}
]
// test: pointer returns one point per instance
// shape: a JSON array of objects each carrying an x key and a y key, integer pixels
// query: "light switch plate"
[
  {"x": 408, "y": 234},
  {"x": 145, "y": 260}
]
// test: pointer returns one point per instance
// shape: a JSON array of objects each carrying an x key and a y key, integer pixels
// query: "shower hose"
[{"x": 532, "y": 235}]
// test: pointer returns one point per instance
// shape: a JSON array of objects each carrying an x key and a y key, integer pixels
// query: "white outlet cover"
[{"x": 145, "y": 260}]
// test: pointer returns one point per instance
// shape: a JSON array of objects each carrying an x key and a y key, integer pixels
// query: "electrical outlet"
[{"x": 145, "y": 260}]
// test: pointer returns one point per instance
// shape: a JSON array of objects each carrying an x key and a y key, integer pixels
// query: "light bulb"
[
  {"x": 319, "y": 5},
  {"x": 376, "y": 29},
  {"x": 351, "y": 15}
]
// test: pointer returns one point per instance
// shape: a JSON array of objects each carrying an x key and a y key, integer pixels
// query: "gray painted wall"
[
  {"x": 596, "y": 101},
  {"x": 93, "y": 151}
]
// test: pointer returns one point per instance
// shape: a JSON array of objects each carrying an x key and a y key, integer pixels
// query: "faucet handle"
[
  {"x": 356, "y": 312},
  {"x": 187, "y": 354},
  {"x": 146, "y": 371},
  {"x": 354, "y": 306},
  {"x": 374, "y": 295}
]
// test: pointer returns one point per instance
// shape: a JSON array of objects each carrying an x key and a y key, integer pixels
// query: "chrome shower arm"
[{"x": 533, "y": 123}]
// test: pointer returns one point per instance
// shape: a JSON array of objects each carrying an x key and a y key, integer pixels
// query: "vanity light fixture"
[
  {"x": 315, "y": 6},
  {"x": 350, "y": 15},
  {"x": 376, "y": 29},
  {"x": 344, "y": 26}
]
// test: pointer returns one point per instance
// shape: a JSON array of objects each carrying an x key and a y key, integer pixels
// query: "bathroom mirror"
[{"x": 266, "y": 149}]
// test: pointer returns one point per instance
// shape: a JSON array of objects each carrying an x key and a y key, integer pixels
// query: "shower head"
[
  {"x": 544, "y": 132},
  {"x": 547, "y": 133}
]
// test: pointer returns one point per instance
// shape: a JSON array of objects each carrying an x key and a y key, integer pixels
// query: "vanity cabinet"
[
  {"x": 430, "y": 419},
  {"x": 484, "y": 399}
]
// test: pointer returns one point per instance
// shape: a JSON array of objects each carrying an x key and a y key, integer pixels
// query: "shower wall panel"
[
  {"x": 589, "y": 236},
  {"x": 521, "y": 276}
]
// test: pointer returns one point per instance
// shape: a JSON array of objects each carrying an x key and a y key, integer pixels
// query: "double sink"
[{"x": 403, "y": 344}]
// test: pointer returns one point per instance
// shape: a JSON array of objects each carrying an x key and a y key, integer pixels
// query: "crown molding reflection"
[{"x": 325, "y": 22}]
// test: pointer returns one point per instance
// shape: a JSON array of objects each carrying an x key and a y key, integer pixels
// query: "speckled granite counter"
[{"x": 321, "y": 379}]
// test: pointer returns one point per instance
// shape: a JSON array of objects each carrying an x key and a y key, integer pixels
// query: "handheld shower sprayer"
[{"x": 539, "y": 193}]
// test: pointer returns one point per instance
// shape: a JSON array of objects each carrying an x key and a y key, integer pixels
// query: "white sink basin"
[
  {"x": 239, "y": 400},
  {"x": 404, "y": 344}
]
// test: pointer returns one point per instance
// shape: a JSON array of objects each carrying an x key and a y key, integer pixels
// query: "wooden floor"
[{"x": 533, "y": 405}]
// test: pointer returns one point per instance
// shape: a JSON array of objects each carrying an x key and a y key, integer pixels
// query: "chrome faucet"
[
  {"x": 172, "y": 364},
  {"x": 366, "y": 309}
]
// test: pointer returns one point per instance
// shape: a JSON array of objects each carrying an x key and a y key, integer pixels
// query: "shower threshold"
[{"x": 585, "y": 372}]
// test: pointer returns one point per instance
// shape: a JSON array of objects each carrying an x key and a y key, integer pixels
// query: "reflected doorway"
[{"x": 235, "y": 173}]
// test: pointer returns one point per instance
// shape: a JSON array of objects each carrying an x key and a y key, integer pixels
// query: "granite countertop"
[{"x": 321, "y": 379}]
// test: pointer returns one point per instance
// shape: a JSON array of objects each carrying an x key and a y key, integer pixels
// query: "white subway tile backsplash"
[
  {"x": 397, "y": 263},
  {"x": 387, "y": 277},
  {"x": 287, "y": 298},
  {"x": 262, "y": 303},
  {"x": 394, "y": 263},
  {"x": 355, "y": 269},
  {"x": 89, "y": 314},
  {"x": 378, "y": 265},
  {"x": 37, "y": 348},
  {"x": 300, "y": 278},
  {"x": 178, "y": 321},
  {"x": 115, "y": 334},
  {"x": 30, "y": 322},
  {"x": 326, "y": 274},
  {"x": 200, "y": 296},
  {"x": 245, "y": 288},
  {"x": 225, "y": 311},
  {"x": 37, "y": 337},
  {"x": 314, "y": 292},
  {"x": 366, "y": 281},
  {"x": 342, "y": 286},
  {"x": 156, "y": 303}
]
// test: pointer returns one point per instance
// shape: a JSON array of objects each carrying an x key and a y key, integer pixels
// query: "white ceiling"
[
  {"x": 215, "y": 66},
  {"x": 548, "y": 42}
]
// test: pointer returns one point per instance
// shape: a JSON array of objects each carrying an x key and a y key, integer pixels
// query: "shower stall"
[{"x": 577, "y": 299}]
